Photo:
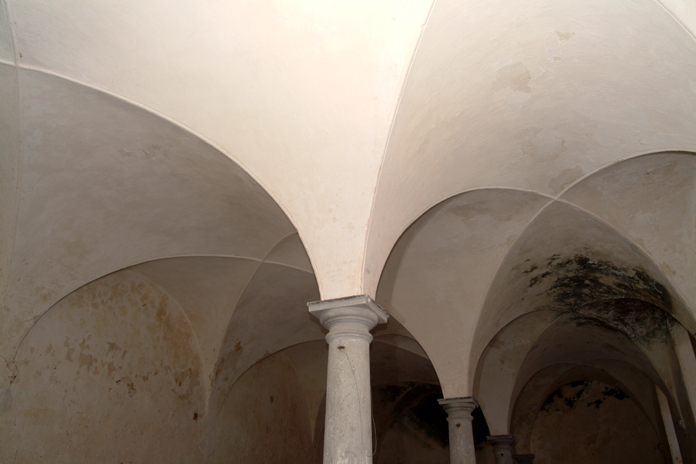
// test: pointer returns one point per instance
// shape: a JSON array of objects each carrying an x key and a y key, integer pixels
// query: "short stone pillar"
[
  {"x": 461, "y": 433},
  {"x": 502, "y": 446},
  {"x": 348, "y": 429},
  {"x": 524, "y": 458}
]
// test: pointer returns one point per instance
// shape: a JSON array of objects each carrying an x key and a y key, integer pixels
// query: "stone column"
[
  {"x": 461, "y": 434},
  {"x": 524, "y": 458},
  {"x": 348, "y": 429},
  {"x": 502, "y": 444}
]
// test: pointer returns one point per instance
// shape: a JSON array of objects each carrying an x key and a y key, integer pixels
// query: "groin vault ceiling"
[{"x": 482, "y": 168}]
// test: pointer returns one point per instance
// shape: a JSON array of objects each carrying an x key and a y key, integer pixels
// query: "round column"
[
  {"x": 502, "y": 445},
  {"x": 348, "y": 429},
  {"x": 461, "y": 434}
]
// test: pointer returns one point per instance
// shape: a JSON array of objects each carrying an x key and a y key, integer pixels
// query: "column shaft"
[
  {"x": 461, "y": 434},
  {"x": 348, "y": 427}
]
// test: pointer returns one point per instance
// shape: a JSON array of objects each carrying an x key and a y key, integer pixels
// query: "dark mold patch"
[
  {"x": 616, "y": 298},
  {"x": 638, "y": 319},
  {"x": 566, "y": 397},
  {"x": 581, "y": 279},
  {"x": 559, "y": 395},
  {"x": 609, "y": 392}
]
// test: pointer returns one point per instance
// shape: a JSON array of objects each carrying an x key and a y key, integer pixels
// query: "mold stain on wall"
[
  {"x": 598, "y": 292},
  {"x": 109, "y": 374}
]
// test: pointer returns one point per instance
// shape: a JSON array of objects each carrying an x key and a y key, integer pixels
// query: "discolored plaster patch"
[
  {"x": 563, "y": 37},
  {"x": 515, "y": 77},
  {"x": 564, "y": 179},
  {"x": 579, "y": 279},
  {"x": 601, "y": 293},
  {"x": 107, "y": 374},
  {"x": 573, "y": 394},
  {"x": 541, "y": 144},
  {"x": 474, "y": 209},
  {"x": 554, "y": 41},
  {"x": 637, "y": 319},
  {"x": 188, "y": 383}
]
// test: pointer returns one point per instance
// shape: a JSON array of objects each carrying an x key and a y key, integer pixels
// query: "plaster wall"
[
  {"x": 109, "y": 374},
  {"x": 593, "y": 422},
  {"x": 619, "y": 375},
  {"x": 264, "y": 418},
  {"x": 241, "y": 310}
]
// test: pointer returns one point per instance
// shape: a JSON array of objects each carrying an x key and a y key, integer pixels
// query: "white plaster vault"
[{"x": 513, "y": 181}]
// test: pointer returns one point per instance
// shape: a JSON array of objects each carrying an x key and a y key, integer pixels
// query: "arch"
[
  {"x": 530, "y": 343},
  {"x": 118, "y": 351},
  {"x": 586, "y": 247},
  {"x": 546, "y": 385},
  {"x": 126, "y": 187},
  {"x": 612, "y": 340},
  {"x": 437, "y": 274},
  {"x": 442, "y": 264}
]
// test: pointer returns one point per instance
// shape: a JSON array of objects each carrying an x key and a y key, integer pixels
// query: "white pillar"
[
  {"x": 502, "y": 445},
  {"x": 687, "y": 361},
  {"x": 348, "y": 429},
  {"x": 461, "y": 434}
]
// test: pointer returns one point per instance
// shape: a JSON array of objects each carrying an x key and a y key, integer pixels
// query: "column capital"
[
  {"x": 524, "y": 458},
  {"x": 458, "y": 408},
  {"x": 498, "y": 440},
  {"x": 348, "y": 314}
]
